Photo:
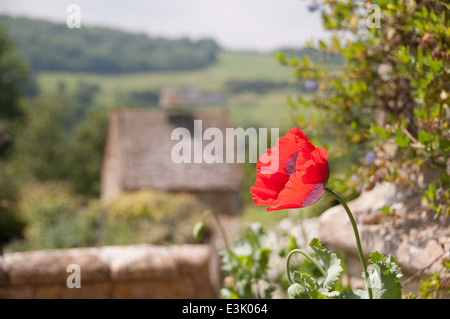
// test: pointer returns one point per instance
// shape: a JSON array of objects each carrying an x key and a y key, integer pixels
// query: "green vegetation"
[
  {"x": 56, "y": 217},
  {"x": 246, "y": 265},
  {"x": 114, "y": 88},
  {"x": 389, "y": 99},
  {"x": 12, "y": 80},
  {"x": 102, "y": 50}
]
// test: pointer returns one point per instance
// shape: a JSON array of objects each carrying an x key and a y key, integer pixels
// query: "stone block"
[
  {"x": 140, "y": 262},
  {"x": 136, "y": 271},
  {"x": 50, "y": 266}
]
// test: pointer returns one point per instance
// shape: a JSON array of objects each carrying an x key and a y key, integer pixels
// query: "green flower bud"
[
  {"x": 297, "y": 291},
  {"x": 199, "y": 231}
]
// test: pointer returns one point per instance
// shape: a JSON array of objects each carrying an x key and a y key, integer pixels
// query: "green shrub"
[
  {"x": 151, "y": 217},
  {"x": 390, "y": 97},
  {"x": 53, "y": 218},
  {"x": 11, "y": 226}
]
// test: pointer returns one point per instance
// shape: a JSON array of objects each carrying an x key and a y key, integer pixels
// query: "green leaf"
[
  {"x": 384, "y": 275},
  {"x": 332, "y": 266},
  {"x": 424, "y": 12},
  {"x": 293, "y": 61},
  {"x": 386, "y": 210},
  {"x": 302, "y": 101},
  {"x": 431, "y": 192},
  {"x": 433, "y": 16},
  {"x": 401, "y": 141},
  {"x": 359, "y": 294},
  {"x": 381, "y": 132},
  {"x": 281, "y": 57},
  {"x": 424, "y": 137},
  {"x": 297, "y": 291},
  {"x": 436, "y": 65},
  {"x": 310, "y": 286},
  {"x": 403, "y": 55},
  {"x": 419, "y": 55}
]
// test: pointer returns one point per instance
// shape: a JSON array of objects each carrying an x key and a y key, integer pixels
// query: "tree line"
[{"x": 47, "y": 46}]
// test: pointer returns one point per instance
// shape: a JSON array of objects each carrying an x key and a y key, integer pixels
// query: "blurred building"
[{"x": 138, "y": 155}]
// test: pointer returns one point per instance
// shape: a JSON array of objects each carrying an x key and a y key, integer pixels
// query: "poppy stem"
[
  {"x": 312, "y": 260},
  {"x": 358, "y": 240}
]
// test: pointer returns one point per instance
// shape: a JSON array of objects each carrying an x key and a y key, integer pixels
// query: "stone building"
[{"x": 138, "y": 155}]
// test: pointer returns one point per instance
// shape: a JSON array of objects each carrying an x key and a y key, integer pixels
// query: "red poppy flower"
[{"x": 301, "y": 176}]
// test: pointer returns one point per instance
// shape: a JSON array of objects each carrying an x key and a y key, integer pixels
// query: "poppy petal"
[
  {"x": 317, "y": 169},
  {"x": 297, "y": 194},
  {"x": 268, "y": 186},
  {"x": 299, "y": 173}
]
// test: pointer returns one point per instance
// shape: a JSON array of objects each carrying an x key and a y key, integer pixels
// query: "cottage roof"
[{"x": 145, "y": 146}]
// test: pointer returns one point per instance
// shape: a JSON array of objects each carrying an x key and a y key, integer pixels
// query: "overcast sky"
[{"x": 262, "y": 25}]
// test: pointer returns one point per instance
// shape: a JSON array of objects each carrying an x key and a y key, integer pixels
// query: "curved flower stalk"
[
  {"x": 300, "y": 181},
  {"x": 306, "y": 287}
]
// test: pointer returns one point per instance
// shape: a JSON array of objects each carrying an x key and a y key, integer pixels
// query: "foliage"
[
  {"x": 42, "y": 139},
  {"x": 103, "y": 50},
  {"x": 384, "y": 275},
  {"x": 315, "y": 55},
  {"x": 383, "y": 278},
  {"x": 309, "y": 287},
  {"x": 436, "y": 286},
  {"x": 153, "y": 217},
  {"x": 391, "y": 94},
  {"x": 67, "y": 131},
  {"x": 13, "y": 79},
  {"x": 52, "y": 218},
  {"x": 246, "y": 265},
  {"x": 11, "y": 226},
  {"x": 86, "y": 153}
]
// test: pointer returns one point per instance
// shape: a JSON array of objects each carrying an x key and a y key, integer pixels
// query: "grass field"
[
  {"x": 245, "y": 109},
  {"x": 230, "y": 65}
]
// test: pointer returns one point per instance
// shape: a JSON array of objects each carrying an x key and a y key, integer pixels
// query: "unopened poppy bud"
[
  {"x": 199, "y": 231},
  {"x": 297, "y": 291}
]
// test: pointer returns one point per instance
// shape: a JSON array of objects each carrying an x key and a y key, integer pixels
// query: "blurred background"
[
  {"x": 79, "y": 81},
  {"x": 65, "y": 80}
]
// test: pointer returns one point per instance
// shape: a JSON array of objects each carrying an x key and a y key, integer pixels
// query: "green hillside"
[
  {"x": 47, "y": 46},
  {"x": 229, "y": 66},
  {"x": 247, "y": 108}
]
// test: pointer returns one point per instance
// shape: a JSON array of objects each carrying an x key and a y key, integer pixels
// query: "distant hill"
[{"x": 47, "y": 46}]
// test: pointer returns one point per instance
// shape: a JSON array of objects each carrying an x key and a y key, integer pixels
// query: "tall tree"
[{"x": 13, "y": 77}]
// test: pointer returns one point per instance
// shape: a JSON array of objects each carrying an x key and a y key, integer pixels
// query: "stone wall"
[{"x": 137, "y": 271}]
